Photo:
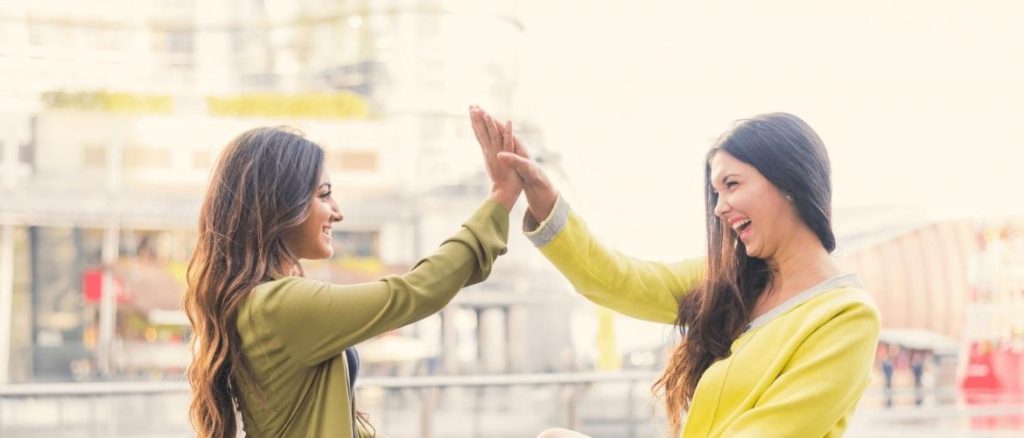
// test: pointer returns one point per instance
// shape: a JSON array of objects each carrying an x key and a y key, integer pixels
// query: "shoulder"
[
  {"x": 850, "y": 297},
  {"x": 275, "y": 294},
  {"x": 848, "y": 305}
]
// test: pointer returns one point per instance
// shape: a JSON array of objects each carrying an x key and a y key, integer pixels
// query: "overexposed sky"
[{"x": 920, "y": 103}]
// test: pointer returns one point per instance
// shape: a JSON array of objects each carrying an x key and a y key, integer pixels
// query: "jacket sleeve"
[
  {"x": 318, "y": 320},
  {"x": 822, "y": 382},
  {"x": 647, "y": 290}
]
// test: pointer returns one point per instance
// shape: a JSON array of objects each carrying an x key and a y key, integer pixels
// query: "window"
[
  {"x": 146, "y": 158},
  {"x": 94, "y": 156},
  {"x": 26, "y": 153},
  {"x": 201, "y": 160},
  {"x": 178, "y": 41},
  {"x": 360, "y": 161},
  {"x": 356, "y": 244}
]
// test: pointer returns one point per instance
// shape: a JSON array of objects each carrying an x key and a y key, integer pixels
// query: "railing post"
[
  {"x": 428, "y": 395},
  {"x": 630, "y": 400},
  {"x": 477, "y": 411},
  {"x": 6, "y": 298},
  {"x": 60, "y": 414},
  {"x": 573, "y": 407},
  {"x": 93, "y": 401}
]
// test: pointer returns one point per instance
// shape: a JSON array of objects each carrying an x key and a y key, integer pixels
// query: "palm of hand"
[{"x": 495, "y": 138}]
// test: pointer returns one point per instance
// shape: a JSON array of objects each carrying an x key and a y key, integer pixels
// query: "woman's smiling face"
[
  {"x": 313, "y": 237},
  {"x": 756, "y": 212}
]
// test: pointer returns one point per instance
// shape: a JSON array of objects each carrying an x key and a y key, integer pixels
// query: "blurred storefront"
[
  {"x": 115, "y": 114},
  {"x": 993, "y": 369},
  {"x": 951, "y": 295}
]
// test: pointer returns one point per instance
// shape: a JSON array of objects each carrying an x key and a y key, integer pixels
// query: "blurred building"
[
  {"x": 953, "y": 289},
  {"x": 114, "y": 112},
  {"x": 917, "y": 271}
]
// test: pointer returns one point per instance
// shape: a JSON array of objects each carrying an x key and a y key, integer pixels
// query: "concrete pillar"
[
  {"x": 108, "y": 299},
  {"x": 9, "y": 149},
  {"x": 449, "y": 346},
  {"x": 115, "y": 151},
  {"x": 6, "y": 298},
  {"x": 10, "y": 159},
  {"x": 493, "y": 340}
]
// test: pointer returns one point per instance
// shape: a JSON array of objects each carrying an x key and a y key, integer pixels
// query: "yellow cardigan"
[{"x": 798, "y": 371}]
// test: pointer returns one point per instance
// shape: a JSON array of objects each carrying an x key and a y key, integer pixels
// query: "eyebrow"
[
  {"x": 728, "y": 175},
  {"x": 722, "y": 179}
]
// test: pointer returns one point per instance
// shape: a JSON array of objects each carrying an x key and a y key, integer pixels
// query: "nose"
[
  {"x": 721, "y": 206},
  {"x": 336, "y": 215}
]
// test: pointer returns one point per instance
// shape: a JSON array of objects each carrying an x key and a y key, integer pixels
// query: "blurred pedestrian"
[
  {"x": 917, "y": 359},
  {"x": 889, "y": 357}
]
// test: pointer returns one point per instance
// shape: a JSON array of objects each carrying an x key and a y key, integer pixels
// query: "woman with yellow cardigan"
[{"x": 776, "y": 340}]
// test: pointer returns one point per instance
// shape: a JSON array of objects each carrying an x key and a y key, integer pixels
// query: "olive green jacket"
[{"x": 294, "y": 330}]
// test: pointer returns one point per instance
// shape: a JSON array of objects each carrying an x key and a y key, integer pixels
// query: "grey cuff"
[{"x": 543, "y": 233}]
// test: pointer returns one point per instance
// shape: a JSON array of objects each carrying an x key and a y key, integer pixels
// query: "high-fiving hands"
[
  {"x": 508, "y": 160},
  {"x": 505, "y": 183}
]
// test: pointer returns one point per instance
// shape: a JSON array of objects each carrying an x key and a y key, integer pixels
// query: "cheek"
[
  {"x": 324, "y": 211},
  {"x": 747, "y": 202},
  {"x": 316, "y": 212},
  {"x": 783, "y": 215},
  {"x": 766, "y": 208}
]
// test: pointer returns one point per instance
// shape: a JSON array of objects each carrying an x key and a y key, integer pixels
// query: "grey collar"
[{"x": 837, "y": 282}]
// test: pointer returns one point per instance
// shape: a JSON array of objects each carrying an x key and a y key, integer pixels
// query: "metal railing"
[
  {"x": 613, "y": 404},
  {"x": 495, "y": 405}
]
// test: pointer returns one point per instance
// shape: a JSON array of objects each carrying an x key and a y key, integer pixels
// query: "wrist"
[
  {"x": 542, "y": 201},
  {"x": 506, "y": 198}
]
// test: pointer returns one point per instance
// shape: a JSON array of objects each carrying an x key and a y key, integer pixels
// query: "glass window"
[
  {"x": 146, "y": 158},
  {"x": 364, "y": 161},
  {"x": 94, "y": 156},
  {"x": 361, "y": 244}
]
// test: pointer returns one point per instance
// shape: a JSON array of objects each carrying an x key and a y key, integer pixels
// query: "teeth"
[{"x": 736, "y": 226}]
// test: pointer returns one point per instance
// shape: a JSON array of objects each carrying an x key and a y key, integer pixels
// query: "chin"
[{"x": 323, "y": 254}]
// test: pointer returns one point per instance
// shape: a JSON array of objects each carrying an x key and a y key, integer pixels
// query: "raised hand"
[
  {"x": 506, "y": 185},
  {"x": 540, "y": 193}
]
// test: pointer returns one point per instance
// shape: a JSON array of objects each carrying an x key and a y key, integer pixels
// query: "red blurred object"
[
  {"x": 980, "y": 374},
  {"x": 1009, "y": 366},
  {"x": 993, "y": 377},
  {"x": 92, "y": 287}
]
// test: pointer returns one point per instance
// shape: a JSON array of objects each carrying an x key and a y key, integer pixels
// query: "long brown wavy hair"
[
  {"x": 790, "y": 155},
  {"x": 260, "y": 188}
]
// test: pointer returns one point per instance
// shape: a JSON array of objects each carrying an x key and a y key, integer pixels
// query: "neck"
[
  {"x": 289, "y": 269},
  {"x": 800, "y": 264}
]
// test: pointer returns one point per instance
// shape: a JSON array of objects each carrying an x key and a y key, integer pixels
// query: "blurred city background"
[{"x": 113, "y": 111}]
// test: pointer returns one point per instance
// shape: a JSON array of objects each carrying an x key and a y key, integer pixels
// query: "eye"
[
  {"x": 325, "y": 195},
  {"x": 731, "y": 184}
]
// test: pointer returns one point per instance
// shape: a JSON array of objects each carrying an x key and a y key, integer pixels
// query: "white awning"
[{"x": 920, "y": 339}]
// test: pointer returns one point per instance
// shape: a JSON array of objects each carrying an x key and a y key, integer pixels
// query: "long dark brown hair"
[
  {"x": 791, "y": 156},
  {"x": 261, "y": 187}
]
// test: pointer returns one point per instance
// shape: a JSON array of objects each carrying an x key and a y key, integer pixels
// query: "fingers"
[
  {"x": 493, "y": 132},
  {"x": 507, "y": 144},
  {"x": 520, "y": 149},
  {"x": 479, "y": 125},
  {"x": 510, "y": 142},
  {"x": 522, "y": 166},
  {"x": 495, "y": 137}
]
